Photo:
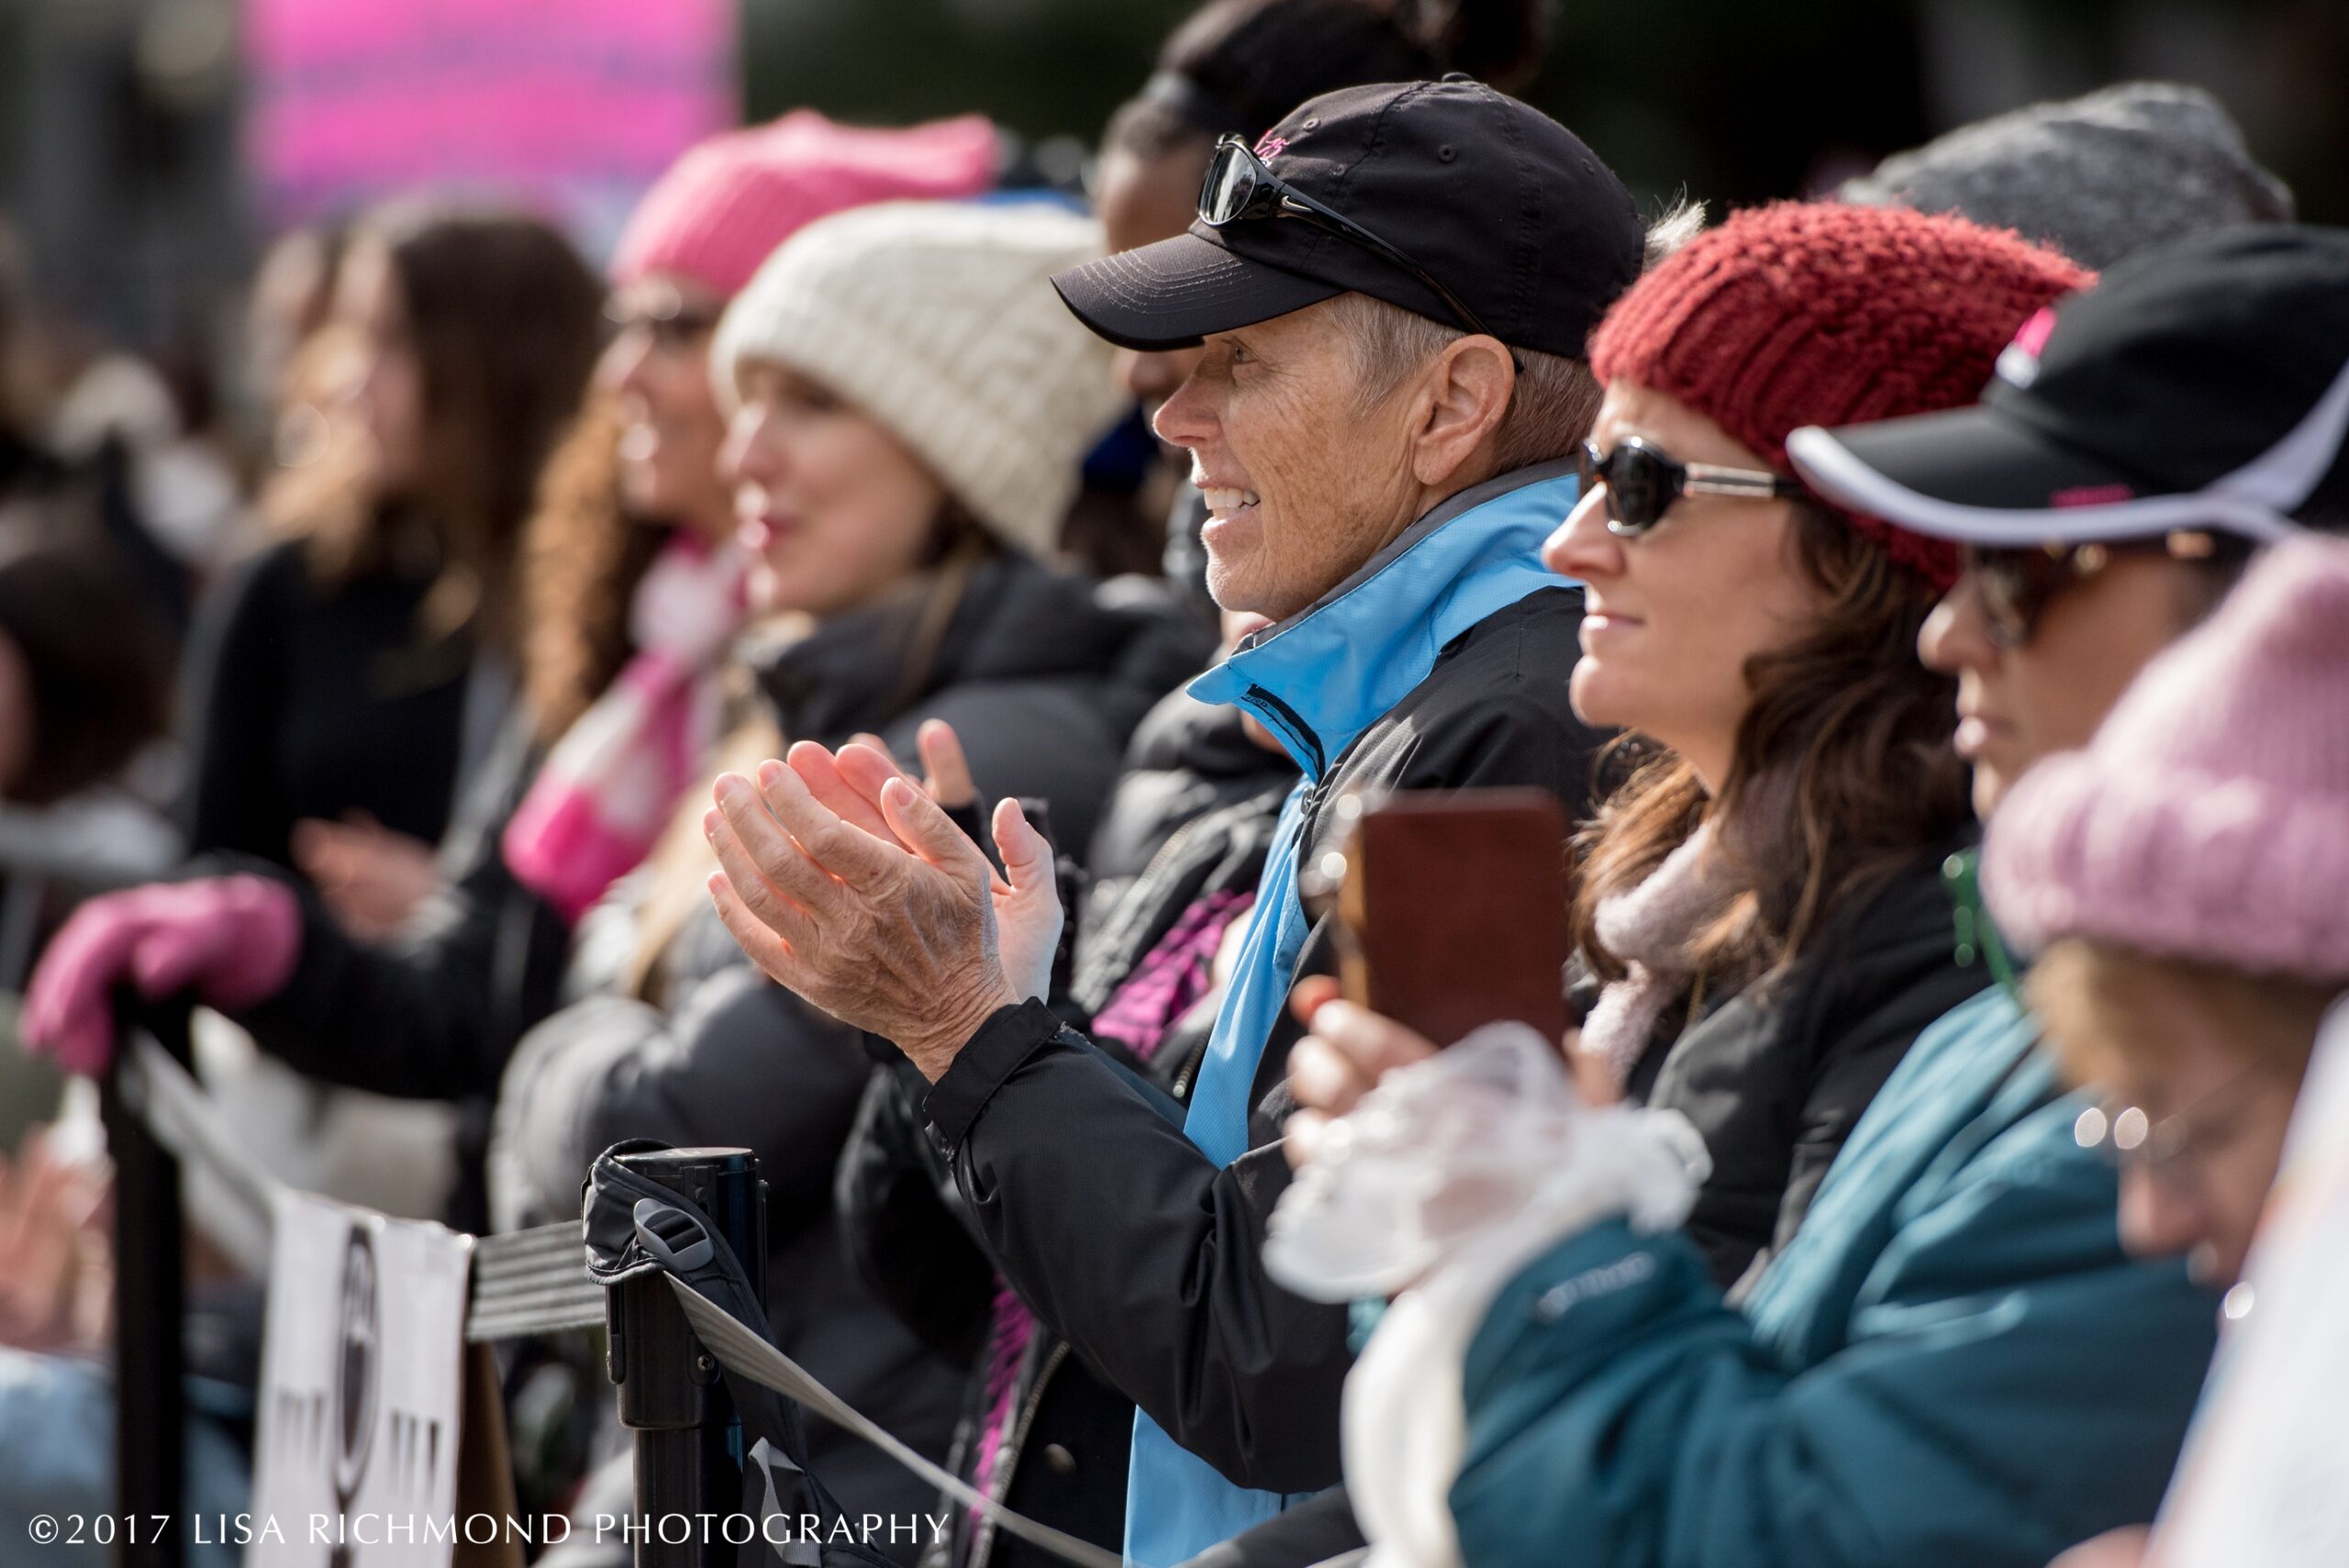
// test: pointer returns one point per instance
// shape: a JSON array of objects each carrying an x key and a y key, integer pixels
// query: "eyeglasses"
[
  {"x": 1642, "y": 481},
  {"x": 673, "y": 324},
  {"x": 2017, "y": 585},
  {"x": 1241, "y": 187},
  {"x": 2173, "y": 1148}
]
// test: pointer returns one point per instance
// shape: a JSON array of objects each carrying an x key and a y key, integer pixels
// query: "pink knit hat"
[
  {"x": 722, "y": 207},
  {"x": 2209, "y": 816}
]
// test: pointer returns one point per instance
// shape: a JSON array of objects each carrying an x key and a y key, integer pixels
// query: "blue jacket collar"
[{"x": 1321, "y": 677}]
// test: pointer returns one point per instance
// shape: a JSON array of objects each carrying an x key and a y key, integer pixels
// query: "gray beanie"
[
  {"x": 2095, "y": 177},
  {"x": 938, "y": 320}
]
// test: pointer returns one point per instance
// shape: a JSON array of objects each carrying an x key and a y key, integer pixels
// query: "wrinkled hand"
[
  {"x": 232, "y": 941},
  {"x": 370, "y": 877},
  {"x": 1349, "y": 1049},
  {"x": 946, "y": 772},
  {"x": 1027, "y": 909},
  {"x": 875, "y": 908}
]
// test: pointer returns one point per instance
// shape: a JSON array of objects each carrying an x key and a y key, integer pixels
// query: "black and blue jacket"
[{"x": 1133, "y": 1226}]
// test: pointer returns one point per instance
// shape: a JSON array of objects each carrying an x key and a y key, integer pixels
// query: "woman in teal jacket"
[{"x": 1953, "y": 1362}]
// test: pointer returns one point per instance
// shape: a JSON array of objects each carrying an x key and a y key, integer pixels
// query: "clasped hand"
[{"x": 846, "y": 883}]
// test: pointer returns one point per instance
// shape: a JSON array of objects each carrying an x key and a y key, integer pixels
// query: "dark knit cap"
[
  {"x": 2098, "y": 178},
  {"x": 1825, "y": 314}
]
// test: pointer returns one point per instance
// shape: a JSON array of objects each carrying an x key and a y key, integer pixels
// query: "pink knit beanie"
[
  {"x": 725, "y": 205},
  {"x": 2209, "y": 816}
]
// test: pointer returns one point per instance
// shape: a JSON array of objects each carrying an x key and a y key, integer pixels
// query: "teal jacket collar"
[{"x": 1321, "y": 677}]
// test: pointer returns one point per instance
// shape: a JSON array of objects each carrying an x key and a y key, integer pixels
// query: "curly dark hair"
[{"x": 583, "y": 556}]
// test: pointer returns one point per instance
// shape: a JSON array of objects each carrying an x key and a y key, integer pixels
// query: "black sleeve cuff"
[{"x": 1008, "y": 1038}]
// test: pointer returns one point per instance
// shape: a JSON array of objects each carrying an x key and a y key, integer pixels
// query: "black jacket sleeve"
[
  {"x": 910, "y": 1236},
  {"x": 1133, "y": 1246},
  {"x": 435, "y": 1014}
]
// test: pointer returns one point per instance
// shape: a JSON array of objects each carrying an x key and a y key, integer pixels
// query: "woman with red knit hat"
[
  {"x": 1760, "y": 930},
  {"x": 1953, "y": 1360},
  {"x": 1759, "y": 909},
  {"x": 1761, "y": 927}
]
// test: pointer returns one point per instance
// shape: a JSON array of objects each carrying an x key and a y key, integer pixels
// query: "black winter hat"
[{"x": 2202, "y": 385}]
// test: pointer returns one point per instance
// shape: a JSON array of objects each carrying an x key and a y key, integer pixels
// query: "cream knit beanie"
[{"x": 938, "y": 321}]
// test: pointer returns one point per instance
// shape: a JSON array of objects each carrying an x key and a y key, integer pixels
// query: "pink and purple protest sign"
[{"x": 572, "y": 105}]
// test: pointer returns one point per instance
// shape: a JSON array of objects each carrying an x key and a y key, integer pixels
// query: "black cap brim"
[
  {"x": 1979, "y": 476},
  {"x": 1171, "y": 295}
]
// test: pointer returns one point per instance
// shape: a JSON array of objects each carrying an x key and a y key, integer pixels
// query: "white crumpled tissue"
[{"x": 1442, "y": 1185}]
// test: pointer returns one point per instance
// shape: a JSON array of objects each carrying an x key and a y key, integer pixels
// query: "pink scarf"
[
  {"x": 1652, "y": 927},
  {"x": 608, "y": 790},
  {"x": 1649, "y": 928}
]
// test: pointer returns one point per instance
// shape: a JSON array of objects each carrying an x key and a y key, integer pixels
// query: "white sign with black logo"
[{"x": 355, "y": 1463}]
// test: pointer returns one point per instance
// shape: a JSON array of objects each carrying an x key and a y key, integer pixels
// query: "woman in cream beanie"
[
  {"x": 931, "y": 325},
  {"x": 909, "y": 409},
  {"x": 908, "y": 405}
]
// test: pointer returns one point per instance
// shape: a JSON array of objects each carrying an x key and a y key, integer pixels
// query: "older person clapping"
[{"x": 1391, "y": 290}]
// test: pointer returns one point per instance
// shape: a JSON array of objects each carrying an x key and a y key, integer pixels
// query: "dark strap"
[{"x": 635, "y": 1227}]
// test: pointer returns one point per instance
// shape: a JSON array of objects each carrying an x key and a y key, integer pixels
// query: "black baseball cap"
[
  {"x": 1500, "y": 203},
  {"x": 2202, "y": 385}
]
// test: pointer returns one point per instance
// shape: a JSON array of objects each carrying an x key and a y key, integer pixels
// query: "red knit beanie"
[
  {"x": 1827, "y": 313},
  {"x": 724, "y": 207}
]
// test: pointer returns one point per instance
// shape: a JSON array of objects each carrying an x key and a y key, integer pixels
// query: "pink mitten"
[{"x": 231, "y": 940}]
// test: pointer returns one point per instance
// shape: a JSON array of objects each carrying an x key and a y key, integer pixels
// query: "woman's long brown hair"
[
  {"x": 1853, "y": 735},
  {"x": 506, "y": 321}
]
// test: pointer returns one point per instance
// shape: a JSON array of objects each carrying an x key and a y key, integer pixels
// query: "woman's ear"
[{"x": 1467, "y": 388}]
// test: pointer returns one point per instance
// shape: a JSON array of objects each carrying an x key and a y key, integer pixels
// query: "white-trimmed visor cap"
[{"x": 2201, "y": 385}]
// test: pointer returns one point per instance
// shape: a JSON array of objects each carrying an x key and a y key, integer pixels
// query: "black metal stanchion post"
[
  {"x": 150, "y": 1299},
  {"x": 688, "y": 1442}
]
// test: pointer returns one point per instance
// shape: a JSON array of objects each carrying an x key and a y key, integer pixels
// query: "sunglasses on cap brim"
[{"x": 1240, "y": 187}]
